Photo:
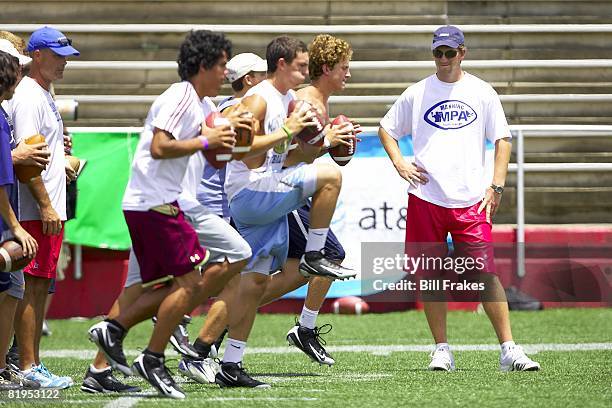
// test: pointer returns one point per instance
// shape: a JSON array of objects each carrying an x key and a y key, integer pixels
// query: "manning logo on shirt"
[{"x": 450, "y": 114}]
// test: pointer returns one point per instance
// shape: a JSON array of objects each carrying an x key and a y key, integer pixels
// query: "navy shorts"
[
  {"x": 5, "y": 281},
  {"x": 299, "y": 223}
]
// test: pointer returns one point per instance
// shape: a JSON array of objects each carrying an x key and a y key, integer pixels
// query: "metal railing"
[
  {"x": 361, "y": 65},
  {"x": 520, "y": 167},
  {"x": 352, "y": 99}
]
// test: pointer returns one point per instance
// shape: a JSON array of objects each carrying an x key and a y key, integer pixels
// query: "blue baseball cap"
[
  {"x": 53, "y": 39},
  {"x": 450, "y": 36}
]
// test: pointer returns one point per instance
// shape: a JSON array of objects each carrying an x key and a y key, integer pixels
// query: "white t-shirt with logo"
[
  {"x": 238, "y": 174},
  {"x": 180, "y": 112},
  {"x": 33, "y": 111},
  {"x": 449, "y": 124},
  {"x": 195, "y": 169}
]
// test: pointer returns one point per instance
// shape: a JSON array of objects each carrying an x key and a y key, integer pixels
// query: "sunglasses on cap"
[
  {"x": 449, "y": 54},
  {"x": 60, "y": 42}
]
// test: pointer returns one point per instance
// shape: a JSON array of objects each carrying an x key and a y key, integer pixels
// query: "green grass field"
[{"x": 377, "y": 375}]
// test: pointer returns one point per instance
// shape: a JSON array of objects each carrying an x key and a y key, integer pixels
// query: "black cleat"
[
  {"x": 234, "y": 375},
  {"x": 309, "y": 341},
  {"x": 180, "y": 338},
  {"x": 314, "y": 263},
  {"x": 109, "y": 339},
  {"x": 156, "y": 373},
  {"x": 105, "y": 382}
]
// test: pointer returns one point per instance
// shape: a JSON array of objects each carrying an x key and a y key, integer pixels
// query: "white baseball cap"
[
  {"x": 9, "y": 48},
  {"x": 244, "y": 63}
]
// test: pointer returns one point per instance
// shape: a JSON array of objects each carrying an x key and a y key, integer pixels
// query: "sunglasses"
[
  {"x": 60, "y": 42},
  {"x": 449, "y": 54}
]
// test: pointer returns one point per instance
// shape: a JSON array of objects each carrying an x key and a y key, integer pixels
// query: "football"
[
  {"x": 244, "y": 139},
  {"x": 218, "y": 157},
  {"x": 350, "y": 305},
  {"x": 25, "y": 173},
  {"x": 11, "y": 256},
  {"x": 342, "y": 154},
  {"x": 310, "y": 134}
]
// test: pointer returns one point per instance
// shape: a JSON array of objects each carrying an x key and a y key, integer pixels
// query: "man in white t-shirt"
[
  {"x": 451, "y": 115},
  {"x": 169, "y": 255},
  {"x": 42, "y": 203}
]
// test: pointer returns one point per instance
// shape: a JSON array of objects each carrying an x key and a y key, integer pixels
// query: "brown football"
[
  {"x": 218, "y": 157},
  {"x": 310, "y": 134},
  {"x": 25, "y": 173},
  {"x": 350, "y": 305},
  {"x": 11, "y": 256},
  {"x": 342, "y": 154},
  {"x": 244, "y": 138}
]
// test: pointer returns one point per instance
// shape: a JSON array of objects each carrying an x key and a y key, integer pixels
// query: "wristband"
[
  {"x": 287, "y": 132},
  {"x": 204, "y": 141}
]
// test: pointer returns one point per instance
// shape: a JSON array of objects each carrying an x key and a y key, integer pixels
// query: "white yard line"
[
  {"x": 377, "y": 350},
  {"x": 123, "y": 402}
]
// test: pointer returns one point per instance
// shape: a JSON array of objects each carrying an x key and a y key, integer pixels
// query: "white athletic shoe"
[
  {"x": 442, "y": 360},
  {"x": 202, "y": 371},
  {"x": 515, "y": 359}
]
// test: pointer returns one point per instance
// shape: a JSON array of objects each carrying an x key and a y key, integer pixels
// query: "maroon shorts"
[
  {"x": 165, "y": 246},
  {"x": 44, "y": 265},
  {"x": 427, "y": 227}
]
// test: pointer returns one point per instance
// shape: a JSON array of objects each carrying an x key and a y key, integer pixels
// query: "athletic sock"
[
  {"x": 316, "y": 239},
  {"x": 201, "y": 347},
  {"x": 442, "y": 346},
  {"x": 308, "y": 318},
  {"x": 95, "y": 370},
  {"x": 117, "y": 325},
  {"x": 505, "y": 346},
  {"x": 234, "y": 351},
  {"x": 153, "y": 353}
]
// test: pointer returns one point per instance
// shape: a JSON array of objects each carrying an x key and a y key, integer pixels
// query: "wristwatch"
[{"x": 497, "y": 189}]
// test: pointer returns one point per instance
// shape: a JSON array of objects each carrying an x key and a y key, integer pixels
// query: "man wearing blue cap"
[
  {"x": 451, "y": 115},
  {"x": 42, "y": 201}
]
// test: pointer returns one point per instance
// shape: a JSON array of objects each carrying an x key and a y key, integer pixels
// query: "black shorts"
[{"x": 299, "y": 223}]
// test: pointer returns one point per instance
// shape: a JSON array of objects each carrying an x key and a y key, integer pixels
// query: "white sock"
[
  {"x": 507, "y": 345},
  {"x": 97, "y": 370},
  {"x": 2, "y": 370},
  {"x": 308, "y": 318},
  {"x": 316, "y": 239},
  {"x": 442, "y": 346},
  {"x": 234, "y": 351}
]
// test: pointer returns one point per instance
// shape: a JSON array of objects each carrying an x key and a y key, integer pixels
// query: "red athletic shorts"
[
  {"x": 427, "y": 227},
  {"x": 165, "y": 245},
  {"x": 44, "y": 265}
]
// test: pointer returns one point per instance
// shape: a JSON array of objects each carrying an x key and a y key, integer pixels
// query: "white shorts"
[{"x": 260, "y": 213}]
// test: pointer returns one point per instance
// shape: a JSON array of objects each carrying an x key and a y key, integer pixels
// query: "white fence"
[{"x": 361, "y": 65}]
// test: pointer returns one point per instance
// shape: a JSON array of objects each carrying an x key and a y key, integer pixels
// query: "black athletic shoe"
[
  {"x": 314, "y": 263},
  {"x": 309, "y": 341},
  {"x": 15, "y": 376},
  {"x": 216, "y": 346},
  {"x": 105, "y": 382},
  {"x": 109, "y": 340},
  {"x": 154, "y": 370},
  {"x": 180, "y": 338},
  {"x": 234, "y": 375},
  {"x": 12, "y": 357}
]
